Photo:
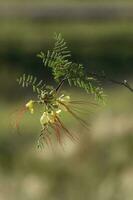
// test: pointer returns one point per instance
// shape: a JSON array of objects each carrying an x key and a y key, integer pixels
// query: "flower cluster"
[
  {"x": 50, "y": 118},
  {"x": 49, "y": 115}
]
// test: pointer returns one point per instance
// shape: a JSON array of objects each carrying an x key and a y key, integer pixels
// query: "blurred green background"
[{"x": 99, "y": 166}]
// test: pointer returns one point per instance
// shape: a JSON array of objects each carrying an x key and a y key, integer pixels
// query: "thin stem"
[
  {"x": 60, "y": 85},
  {"x": 106, "y": 78}
]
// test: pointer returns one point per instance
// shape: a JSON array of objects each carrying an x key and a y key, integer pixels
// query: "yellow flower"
[
  {"x": 63, "y": 100},
  {"x": 47, "y": 117},
  {"x": 58, "y": 111},
  {"x": 30, "y": 106}
]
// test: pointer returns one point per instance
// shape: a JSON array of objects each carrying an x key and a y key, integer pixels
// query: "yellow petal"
[
  {"x": 30, "y": 106},
  {"x": 58, "y": 111},
  {"x": 44, "y": 119}
]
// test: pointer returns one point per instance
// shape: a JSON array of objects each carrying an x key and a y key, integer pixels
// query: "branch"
[
  {"x": 60, "y": 85},
  {"x": 104, "y": 77}
]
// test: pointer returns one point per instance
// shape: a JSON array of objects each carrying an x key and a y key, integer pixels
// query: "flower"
[
  {"x": 63, "y": 100},
  {"x": 30, "y": 106},
  {"x": 49, "y": 117}
]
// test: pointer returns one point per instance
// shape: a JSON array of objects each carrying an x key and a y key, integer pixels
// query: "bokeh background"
[{"x": 100, "y": 165}]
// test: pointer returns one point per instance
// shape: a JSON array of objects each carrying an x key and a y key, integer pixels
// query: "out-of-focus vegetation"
[
  {"x": 106, "y": 45},
  {"x": 67, "y": 2},
  {"x": 100, "y": 46},
  {"x": 99, "y": 166}
]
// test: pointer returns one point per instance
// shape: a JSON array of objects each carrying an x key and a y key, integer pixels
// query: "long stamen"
[
  {"x": 57, "y": 132},
  {"x": 49, "y": 140},
  {"x": 60, "y": 124},
  {"x": 19, "y": 116},
  {"x": 44, "y": 137},
  {"x": 74, "y": 115},
  {"x": 80, "y": 110},
  {"x": 83, "y": 102}
]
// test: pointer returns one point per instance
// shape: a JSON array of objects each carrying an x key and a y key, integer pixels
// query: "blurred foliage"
[
  {"x": 48, "y": 2},
  {"x": 99, "y": 166},
  {"x": 103, "y": 46}
]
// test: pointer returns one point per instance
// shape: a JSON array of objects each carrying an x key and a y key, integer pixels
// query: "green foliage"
[
  {"x": 29, "y": 80},
  {"x": 59, "y": 60}
]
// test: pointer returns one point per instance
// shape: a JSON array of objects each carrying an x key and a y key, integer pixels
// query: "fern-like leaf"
[
  {"x": 59, "y": 60},
  {"x": 29, "y": 80}
]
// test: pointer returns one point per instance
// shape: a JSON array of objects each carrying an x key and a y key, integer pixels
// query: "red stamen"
[
  {"x": 75, "y": 116},
  {"x": 66, "y": 131},
  {"x": 57, "y": 132},
  {"x": 19, "y": 117}
]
